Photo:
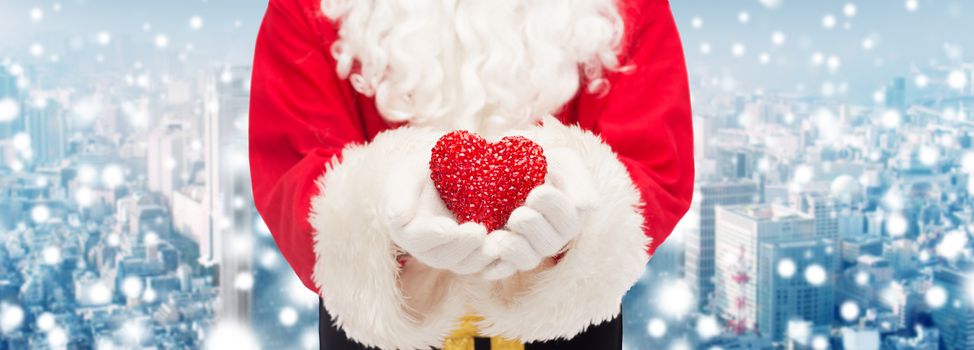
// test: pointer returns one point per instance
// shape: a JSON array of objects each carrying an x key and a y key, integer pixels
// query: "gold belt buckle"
[{"x": 462, "y": 338}]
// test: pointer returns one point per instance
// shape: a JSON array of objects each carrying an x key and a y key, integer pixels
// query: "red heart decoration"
[{"x": 484, "y": 182}]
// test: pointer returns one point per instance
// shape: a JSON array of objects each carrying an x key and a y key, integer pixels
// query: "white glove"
[
  {"x": 550, "y": 218},
  {"x": 421, "y": 225}
]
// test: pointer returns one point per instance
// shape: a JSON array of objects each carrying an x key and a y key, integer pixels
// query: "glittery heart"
[{"x": 484, "y": 182}]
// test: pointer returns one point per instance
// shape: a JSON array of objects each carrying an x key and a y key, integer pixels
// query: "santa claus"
[{"x": 350, "y": 96}]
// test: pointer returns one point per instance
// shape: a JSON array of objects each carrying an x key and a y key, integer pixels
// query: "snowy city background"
[{"x": 834, "y": 207}]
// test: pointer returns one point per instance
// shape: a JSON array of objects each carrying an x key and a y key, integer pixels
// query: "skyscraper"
[
  {"x": 740, "y": 231},
  {"x": 800, "y": 294},
  {"x": 166, "y": 158},
  {"x": 699, "y": 243},
  {"x": 8, "y": 83},
  {"x": 9, "y": 94},
  {"x": 955, "y": 318},
  {"x": 228, "y": 184},
  {"x": 46, "y": 127},
  {"x": 896, "y": 94}
]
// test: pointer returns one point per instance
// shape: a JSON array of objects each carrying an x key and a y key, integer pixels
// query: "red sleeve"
[
  {"x": 301, "y": 116},
  {"x": 646, "y": 117}
]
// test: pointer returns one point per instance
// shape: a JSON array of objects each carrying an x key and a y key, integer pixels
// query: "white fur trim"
[
  {"x": 356, "y": 270},
  {"x": 586, "y": 286}
]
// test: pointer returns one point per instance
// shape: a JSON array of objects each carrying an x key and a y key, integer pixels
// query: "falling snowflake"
[
  {"x": 103, "y": 38},
  {"x": 231, "y": 335},
  {"x": 799, "y": 330},
  {"x": 112, "y": 176},
  {"x": 850, "y": 10},
  {"x": 868, "y": 44},
  {"x": 36, "y": 49},
  {"x": 287, "y": 316},
  {"x": 820, "y": 342},
  {"x": 696, "y": 22},
  {"x": 243, "y": 245},
  {"x": 132, "y": 287},
  {"x": 133, "y": 333},
  {"x": 675, "y": 298},
  {"x": 656, "y": 328},
  {"x": 816, "y": 275},
  {"x": 957, "y": 80},
  {"x": 828, "y": 124},
  {"x": 149, "y": 295},
  {"x": 893, "y": 296},
  {"x": 705, "y": 48},
  {"x": 99, "y": 294},
  {"x": 36, "y": 14},
  {"x": 921, "y": 81},
  {"x": 9, "y": 109},
  {"x": 803, "y": 174},
  {"x": 11, "y": 318},
  {"x": 862, "y": 278},
  {"x": 84, "y": 196},
  {"x": 924, "y": 256},
  {"x": 771, "y": 4},
  {"x": 87, "y": 109},
  {"x": 786, "y": 268},
  {"x": 40, "y": 214},
  {"x": 21, "y": 142},
  {"x": 161, "y": 41},
  {"x": 778, "y": 38},
  {"x": 743, "y": 17},
  {"x": 828, "y": 21},
  {"x": 912, "y": 5},
  {"x": 680, "y": 344},
  {"x": 57, "y": 337},
  {"x": 196, "y": 22},
  {"x": 708, "y": 327},
  {"x": 929, "y": 155},
  {"x": 268, "y": 259},
  {"x": 896, "y": 225},
  {"x": 106, "y": 344},
  {"x": 891, "y": 118},
  {"x": 309, "y": 339},
  {"x": 114, "y": 240},
  {"x": 935, "y": 297},
  {"x": 818, "y": 58},
  {"x": 738, "y": 49},
  {"x": 849, "y": 311},
  {"x": 244, "y": 281},
  {"x": 833, "y": 63},
  {"x": 51, "y": 255},
  {"x": 45, "y": 322},
  {"x": 151, "y": 238}
]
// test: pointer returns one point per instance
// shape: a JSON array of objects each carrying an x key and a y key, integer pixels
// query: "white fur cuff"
[
  {"x": 370, "y": 298},
  {"x": 587, "y": 284}
]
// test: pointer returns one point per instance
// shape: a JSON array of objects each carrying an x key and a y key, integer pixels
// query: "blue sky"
[{"x": 905, "y": 39}]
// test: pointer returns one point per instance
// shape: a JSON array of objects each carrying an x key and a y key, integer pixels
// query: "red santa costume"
[{"x": 348, "y": 94}]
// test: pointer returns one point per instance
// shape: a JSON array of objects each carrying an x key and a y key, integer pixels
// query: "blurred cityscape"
[{"x": 833, "y": 207}]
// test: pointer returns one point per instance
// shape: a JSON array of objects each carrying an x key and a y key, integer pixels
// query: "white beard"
[{"x": 481, "y": 65}]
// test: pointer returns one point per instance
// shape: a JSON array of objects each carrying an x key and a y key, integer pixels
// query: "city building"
[
  {"x": 895, "y": 96},
  {"x": 231, "y": 216},
  {"x": 740, "y": 232},
  {"x": 805, "y": 290},
  {"x": 699, "y": 243},
  {"x": 47, "y": 129},
  {"x": 955, "y": 319}
]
